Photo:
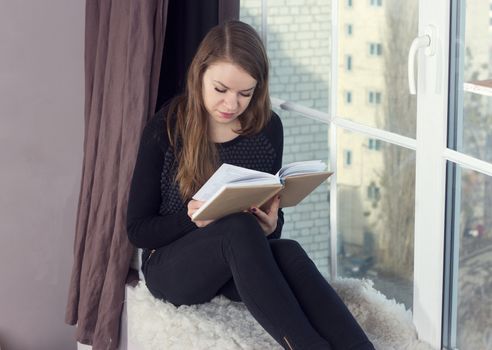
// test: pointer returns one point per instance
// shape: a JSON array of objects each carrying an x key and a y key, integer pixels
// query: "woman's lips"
[{"x": 227, "y": 115}]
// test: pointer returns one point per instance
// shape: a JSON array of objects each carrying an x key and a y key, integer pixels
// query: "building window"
[
  {"x": 374, "y": 144},
  {"x": 373, "y": 192},
  {"x": 349, "y": 3},
  {"x": 347, "y": 157},
  {"x": 374, "y": 97},
  {"x": 348, "y": 97},
  {"x": 348, "y": 62},
  {"x": 377, "y": 3},
  {"x": 375, "y": 49},
  {"x": 349, "y": 29}
]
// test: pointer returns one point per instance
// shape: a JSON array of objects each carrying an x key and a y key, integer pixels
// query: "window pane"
[
  {"x": 376, "y": 196},
  {"x": 298, "y": 45},
  {"x": 379, "y": 63},
  {"x": 348, "y": 97},
  {"x": 250, "y": 12},
  {"x": 474, "y": 321},
  {"x": 299, "y": 51},
  {"x": 349, "y": 29},
  {"x": 475, "y": 136},
  {"x": 308, "y": 222}
]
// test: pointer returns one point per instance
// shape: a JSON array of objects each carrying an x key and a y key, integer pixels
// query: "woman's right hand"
[{"x": 194, "y": 205}]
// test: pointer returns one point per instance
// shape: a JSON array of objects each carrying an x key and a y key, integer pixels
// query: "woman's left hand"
[
  {"x": 268, "y": 218},
  {"x": 194, "y": 205}
]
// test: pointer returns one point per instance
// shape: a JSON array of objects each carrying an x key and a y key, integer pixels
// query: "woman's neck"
[{"x": 223, "y": 133}]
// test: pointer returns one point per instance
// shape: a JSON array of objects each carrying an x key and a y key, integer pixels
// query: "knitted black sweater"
[{"x": 156, "y": 214}]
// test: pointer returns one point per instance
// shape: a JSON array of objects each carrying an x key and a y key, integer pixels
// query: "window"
[
  {"x": 373, "y": 192},
  {"x": 396, "y": 158},
  {"x": 300, "y": 52},
  {"x": 375, "y": 49},
  {"x": 374, "y": 144},
  {"x": 347, "y": 157},
  {"x": 374, "y": 97},
  {"x": 349, "y": 29},
  {"x": 348, "y": 97},
  {"x": 348, "y": 62}
]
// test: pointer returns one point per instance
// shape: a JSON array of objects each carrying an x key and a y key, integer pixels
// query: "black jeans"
[{"x": 276, "y": 280}]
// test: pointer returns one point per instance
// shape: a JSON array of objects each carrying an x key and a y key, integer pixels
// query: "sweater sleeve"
[
  {"x": 146, "y": 228},
  {"x": 275, "y": 133}
]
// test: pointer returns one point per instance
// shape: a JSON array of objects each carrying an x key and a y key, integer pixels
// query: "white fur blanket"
[{"x": 223, "y": 324}]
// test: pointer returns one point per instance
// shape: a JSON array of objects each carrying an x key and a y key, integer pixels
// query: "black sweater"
[{"x": 156, "y": 214}]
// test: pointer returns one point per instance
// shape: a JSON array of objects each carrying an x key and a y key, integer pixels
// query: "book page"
[
  {"x": 297, "y": 187},
  {"x": 299, "y": 168},
  {"x": 231, "y": 174}
]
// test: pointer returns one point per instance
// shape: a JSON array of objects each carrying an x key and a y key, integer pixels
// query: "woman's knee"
[
  {"x": 241, "y": 224},
  {"x": 242, "y": 218},
  {"x": 287, "y": 250}
]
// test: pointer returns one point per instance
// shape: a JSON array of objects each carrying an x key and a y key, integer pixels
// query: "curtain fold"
[
  {"x": 123, "y": 50},
  {"x": 188, "y": 22},
  {"x": 228, "y": 9},
  {"x": 124, "y": 45}
]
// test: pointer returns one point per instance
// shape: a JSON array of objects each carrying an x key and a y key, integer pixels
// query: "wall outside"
[{"x": 298, "y": 45}]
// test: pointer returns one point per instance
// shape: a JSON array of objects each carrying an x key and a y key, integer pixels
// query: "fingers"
[
  {"x": 202, "y": 223},
  {"x": 275, "y": 204},
  {"x": 271, "y": 211},
  {"x": 268, "y": 222},
  {"x": 271, "y": 215},
  {"x": 260, "y": 214},
  {"x": 193, "y": 205}
]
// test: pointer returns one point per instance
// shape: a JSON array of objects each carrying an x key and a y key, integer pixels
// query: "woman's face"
[{"x": 227, "y": 91}]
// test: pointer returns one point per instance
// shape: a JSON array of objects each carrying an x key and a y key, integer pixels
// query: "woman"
[{"x": 224, "y": 116}]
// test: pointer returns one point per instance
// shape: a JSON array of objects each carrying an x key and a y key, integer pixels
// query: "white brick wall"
[{"x": 299, "y": 49}]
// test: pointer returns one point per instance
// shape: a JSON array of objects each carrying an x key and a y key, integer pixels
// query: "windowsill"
[{"x": 480, "y": 87}]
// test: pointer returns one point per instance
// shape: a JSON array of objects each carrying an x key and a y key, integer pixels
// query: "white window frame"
[{"x": 432, "y": 155}]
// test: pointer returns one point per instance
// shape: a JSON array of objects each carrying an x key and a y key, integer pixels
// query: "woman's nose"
[{"x": 230, "y": 101}]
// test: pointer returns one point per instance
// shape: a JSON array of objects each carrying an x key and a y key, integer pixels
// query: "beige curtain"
[{"x": 123, "y": 49}]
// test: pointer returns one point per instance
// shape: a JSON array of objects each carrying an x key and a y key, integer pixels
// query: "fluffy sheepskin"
[{"x": 224, "y": 324}]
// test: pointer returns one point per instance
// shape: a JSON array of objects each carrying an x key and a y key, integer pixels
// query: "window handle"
[{"x": 424, "y": 41}]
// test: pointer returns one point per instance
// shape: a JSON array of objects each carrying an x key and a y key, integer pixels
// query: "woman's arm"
[{"x": 146, "y": 228}]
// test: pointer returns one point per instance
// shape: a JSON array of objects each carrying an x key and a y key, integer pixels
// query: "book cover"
[{"x": 233, "y": 189}]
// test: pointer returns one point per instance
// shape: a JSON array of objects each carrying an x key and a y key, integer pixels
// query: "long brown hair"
[{"x": 187, "y": 120}]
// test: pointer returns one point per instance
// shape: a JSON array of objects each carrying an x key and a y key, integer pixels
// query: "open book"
[{"x": 232, "y": 189}]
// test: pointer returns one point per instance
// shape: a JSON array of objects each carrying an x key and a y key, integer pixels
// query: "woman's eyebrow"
[{"x": 251, "y": 88}]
